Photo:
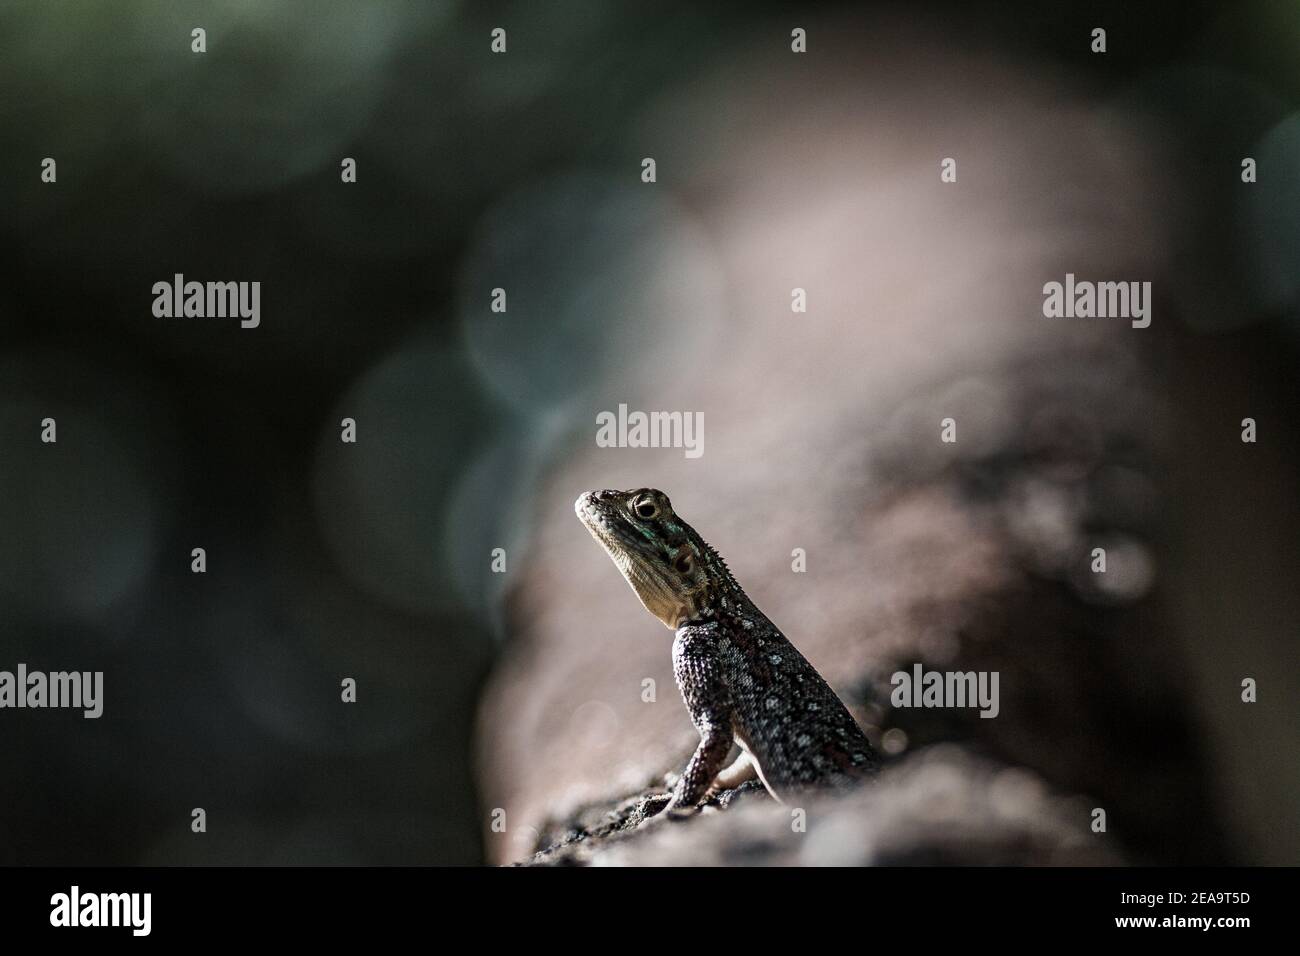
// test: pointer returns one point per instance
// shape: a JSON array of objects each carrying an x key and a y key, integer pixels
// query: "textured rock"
[{"x": 939, "y": 807}]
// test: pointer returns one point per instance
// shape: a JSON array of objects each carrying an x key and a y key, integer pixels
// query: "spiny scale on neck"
[{"x": 724, "y": 592}]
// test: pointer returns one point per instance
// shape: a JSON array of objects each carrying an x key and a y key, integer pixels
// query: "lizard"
[{"x": 742, "y": 680}]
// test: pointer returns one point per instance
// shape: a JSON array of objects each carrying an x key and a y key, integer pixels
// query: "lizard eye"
[
  {"x": 683, "y": 563},
  {"x": 646, "y": 508}
]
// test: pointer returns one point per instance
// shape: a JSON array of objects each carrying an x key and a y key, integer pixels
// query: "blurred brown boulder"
[{"x": 823, "y": 433}]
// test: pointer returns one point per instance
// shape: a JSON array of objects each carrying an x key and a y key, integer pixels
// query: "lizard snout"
[
  {"x": 593, "y": 502},
  {"x": 586, "y": 502}
]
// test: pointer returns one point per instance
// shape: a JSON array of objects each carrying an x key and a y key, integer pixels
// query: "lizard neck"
[{"x": 721, "y": 597}]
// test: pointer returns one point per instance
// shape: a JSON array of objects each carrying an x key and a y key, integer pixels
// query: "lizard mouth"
[
  {"x": 614, "y": 534},
  {"x": 631, "y": 553}
]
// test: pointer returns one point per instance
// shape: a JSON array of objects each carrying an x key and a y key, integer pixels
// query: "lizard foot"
[
  {"x": 653, "y": 805},
  {"x": 660, "y": 807}
]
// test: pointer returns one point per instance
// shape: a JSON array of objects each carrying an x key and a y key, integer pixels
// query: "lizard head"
[{"x": 664, "y": 560}]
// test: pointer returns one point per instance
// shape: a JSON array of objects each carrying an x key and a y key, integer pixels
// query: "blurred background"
[{"x": 476, "y": 429}]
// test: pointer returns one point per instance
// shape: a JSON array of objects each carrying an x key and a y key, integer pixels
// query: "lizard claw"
[{"x": 679, "y": 813}]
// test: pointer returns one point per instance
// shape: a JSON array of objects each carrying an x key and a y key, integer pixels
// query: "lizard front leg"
[
  {"x": 698, "y": 670},
  {"x": 703, "y": 767}
]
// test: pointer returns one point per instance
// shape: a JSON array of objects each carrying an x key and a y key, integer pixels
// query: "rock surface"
[{"x": 941, "y": 807}]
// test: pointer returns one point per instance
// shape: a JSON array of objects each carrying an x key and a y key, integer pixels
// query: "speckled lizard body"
[{"x": 743, "y": 682}]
